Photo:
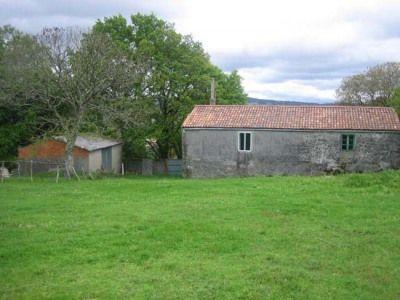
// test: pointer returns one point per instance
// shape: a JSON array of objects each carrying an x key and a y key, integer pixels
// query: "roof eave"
[{"x": 293, "y": 129}]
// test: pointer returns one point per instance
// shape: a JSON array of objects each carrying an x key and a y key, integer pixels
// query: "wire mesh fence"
[
  {"x": 31, "y": 169},
  {"x": 55, "y": 169},
  {"x": 50, "y": 169}
]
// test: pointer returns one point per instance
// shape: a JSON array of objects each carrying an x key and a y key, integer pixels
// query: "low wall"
[{"x": 149, "y": 167}]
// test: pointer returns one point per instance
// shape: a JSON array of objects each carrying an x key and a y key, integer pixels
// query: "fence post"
[
  {"x": 147, "y": 167},
  {"x": 76, "y": 174},
  {"x": 2, "y": 171},
  {"x": 58, "y": 173},
  {"x": 31, "y": 170},
  {"x": 122, "y": 169}
]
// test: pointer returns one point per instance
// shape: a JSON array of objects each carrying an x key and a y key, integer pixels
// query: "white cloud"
[
  {"x": 290, "y": 90},
  {"x": 32, "y": 15},
  {"x": 285, "y": 49},
  {"x": 258, "y": 85},
  {"x": 342, "y": 36}
]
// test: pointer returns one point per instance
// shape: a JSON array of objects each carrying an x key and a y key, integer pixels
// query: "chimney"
[{"x": 213, "y": 99}]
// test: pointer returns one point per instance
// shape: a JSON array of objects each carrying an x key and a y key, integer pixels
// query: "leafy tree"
[
  {"x": 372, "y": 87},
  {"x": 17, "y": 127},
  {"x": 179, "y": 76},
  {"x": 395, "y": 100},
  {"x": 18, "y": 123},
  {"x": 71, "y": 76},
  {"x": 230, "y": 90}
]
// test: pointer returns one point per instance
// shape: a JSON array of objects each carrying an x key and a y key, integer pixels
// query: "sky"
[{"x": 284, "y": 50}]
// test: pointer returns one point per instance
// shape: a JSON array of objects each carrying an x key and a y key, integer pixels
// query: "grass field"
[{"x": 170, "y": 238}]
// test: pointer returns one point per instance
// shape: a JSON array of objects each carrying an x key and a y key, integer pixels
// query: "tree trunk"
[
  {"x": 163, "y": 149},
  {"x": 178, "y": 148},
  {"x": 69, "y": 161}
]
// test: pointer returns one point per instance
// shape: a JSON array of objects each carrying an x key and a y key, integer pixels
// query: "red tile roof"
[{"x": 293, "y": 117}]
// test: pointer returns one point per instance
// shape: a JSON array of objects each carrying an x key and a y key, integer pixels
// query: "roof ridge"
[{"x": 281, "y": 105}]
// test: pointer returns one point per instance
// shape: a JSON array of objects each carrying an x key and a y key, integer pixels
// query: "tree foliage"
[
  {"x": 135, "y": 80},
  {"x": 18, "y": 123},
  {"x": 72, "y": 75},
  {"x": 372, "y": 87},
  {"x": 395, "y": 100},
  {"x": 179, "y": 76}
]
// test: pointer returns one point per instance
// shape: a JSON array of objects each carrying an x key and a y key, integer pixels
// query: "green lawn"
[{"x": 170, "y": 238}]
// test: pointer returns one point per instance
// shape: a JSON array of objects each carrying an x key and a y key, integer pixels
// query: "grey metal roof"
[{"x": 91, "y": 143}]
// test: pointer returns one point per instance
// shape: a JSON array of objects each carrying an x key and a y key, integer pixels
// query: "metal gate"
[{"x": 174, "y": 166}]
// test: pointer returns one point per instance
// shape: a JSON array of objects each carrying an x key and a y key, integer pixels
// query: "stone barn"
[
  {"x": 242, "y": 140},
  {"x": 89, "y": 154}
]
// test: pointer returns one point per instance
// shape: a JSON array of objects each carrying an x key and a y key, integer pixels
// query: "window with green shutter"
[
  {"x": 244, "y": 143},
  {"x": 348, "y": 142}
]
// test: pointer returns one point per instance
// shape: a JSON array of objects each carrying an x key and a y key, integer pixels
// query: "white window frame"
[{"x": 251, "y": 141}]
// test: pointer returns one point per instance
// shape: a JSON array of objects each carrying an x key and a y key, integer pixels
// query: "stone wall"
[{"x": 214, "y": 152}]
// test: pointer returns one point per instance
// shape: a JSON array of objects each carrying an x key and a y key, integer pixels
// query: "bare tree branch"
[{"x": 73, "y": 74}]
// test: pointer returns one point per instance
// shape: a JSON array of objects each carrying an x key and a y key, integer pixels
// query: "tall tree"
[
  {"x": 76, "y": 75},
  {"x": 18, "y": 112},
  {"x": 372, "y": 87},
  {"x": 179, "y": 76},
  {"x": 395, "y": 100},
  {"x": 230, "y": 90}
]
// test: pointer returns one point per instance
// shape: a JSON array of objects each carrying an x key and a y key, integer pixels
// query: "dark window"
[
  {"x": 248, "y": 141},
  {"x": 244, "y": 141},
  {"x": 347, "y": 141},
  {"x": 241, "y": 146}
]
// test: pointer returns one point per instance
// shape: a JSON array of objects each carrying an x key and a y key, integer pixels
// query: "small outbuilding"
[
  {"x": 245, "y": 140},
  {"x": 89, "y": 154}
]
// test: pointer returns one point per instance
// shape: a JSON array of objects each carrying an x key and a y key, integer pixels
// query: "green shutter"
[
  {"x": 248, "y": 140},
  {"x": 344, "y": 142},
  {"x": 348, "y": 141},
  {"x": 241, "y": 141},
  {"x": 351, "y": 142}
]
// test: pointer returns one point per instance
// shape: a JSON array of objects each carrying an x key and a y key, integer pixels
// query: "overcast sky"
[{"x": 285, "y": 50}]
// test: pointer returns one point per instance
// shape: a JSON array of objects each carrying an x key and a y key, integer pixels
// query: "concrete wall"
[
  {"x": 95, "y": 161},
  {"x": 116, "y": 157},
  {"x": 214, "y": 152}
]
